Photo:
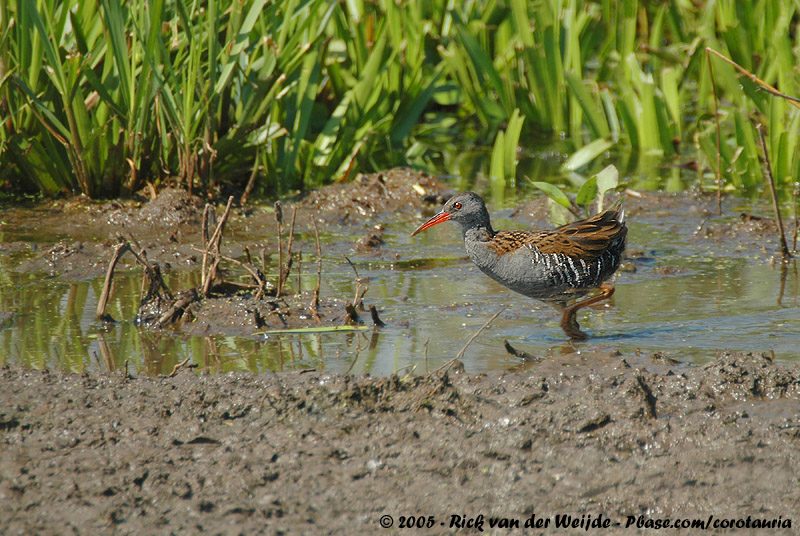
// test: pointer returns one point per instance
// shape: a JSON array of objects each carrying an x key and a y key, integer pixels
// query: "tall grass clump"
[{"x": 100, "y": 97}]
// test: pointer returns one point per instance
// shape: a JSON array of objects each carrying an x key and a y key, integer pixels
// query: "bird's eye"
[{"x": 456, "y": 206}]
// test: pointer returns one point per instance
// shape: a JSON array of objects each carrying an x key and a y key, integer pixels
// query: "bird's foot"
[
  {"x": 568, "y": 321},
  {"x": 570, "y": 325}
]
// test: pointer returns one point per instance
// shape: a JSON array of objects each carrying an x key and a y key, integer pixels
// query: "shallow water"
[{"x": 687, "y": 298}]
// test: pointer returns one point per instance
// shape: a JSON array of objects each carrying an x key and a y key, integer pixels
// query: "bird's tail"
[{"x": 616, "y": 206}]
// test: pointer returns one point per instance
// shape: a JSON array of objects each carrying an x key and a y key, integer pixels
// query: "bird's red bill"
[{"x": 438, "y": 218}]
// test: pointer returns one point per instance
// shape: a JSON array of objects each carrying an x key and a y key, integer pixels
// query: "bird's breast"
[{"x": 513, "y": 269}]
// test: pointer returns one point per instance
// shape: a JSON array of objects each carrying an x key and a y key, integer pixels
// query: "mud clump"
[
  {"x": 278, "y": 453},
  {"x": 371, "y": 240},
  {"x": 388, "y": 191},
  {"x": 173, "y": 207},
  {"x": 245, "y": 315},
  {"x": 745, "y": 225}
]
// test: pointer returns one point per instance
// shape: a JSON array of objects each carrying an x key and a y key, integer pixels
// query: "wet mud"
[
  {"x": 607, "y": 436},
  {"x": 593, "y": 435}
]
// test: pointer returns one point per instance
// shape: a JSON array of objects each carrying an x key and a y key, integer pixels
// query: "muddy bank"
[
  {"x": 597, "y": 434},
  {"x": 74, "y": 238}
]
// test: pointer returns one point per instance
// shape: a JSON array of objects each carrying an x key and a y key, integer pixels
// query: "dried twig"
[
  {"x": 263, "y": 256},
  {"x": 753, "y": 78},
  {"x": 252, "y": 180},
  {"x": 460, "y": 354},
  {"x": 279, "y": 225},
  {"x": 771, "y": 182},
  {"x": 315, "y": 301},
  {"x": 777, "y": 93},
  {"x": 152, "y": 272},
  {"x": 358, "y": 300},
  {"x": 204, "y": 238},
  {"x": 285, "y": 271},
  {"x": 178, "y": 308},
  {"x": 796, "y": 225},
  {"x": 177, "y": 367},
  {"x": 353, "y": 266},
  {"x": 718, "y": 170},
  {"x": 358, "y": 297},
  {"x": 119, "y": 250},
  {"x": 213, "y": 247},
  {"x": 252, "y": 271},
  {"x": 299, "y": 272}
]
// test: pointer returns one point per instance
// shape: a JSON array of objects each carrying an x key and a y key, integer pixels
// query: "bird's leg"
[{"x": 568, "y": 322}]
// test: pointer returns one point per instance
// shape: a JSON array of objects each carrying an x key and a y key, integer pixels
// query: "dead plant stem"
[
  {"x": 718, "y": 169},
  {"x": 460, "y": 353},
  {"x": 771, "y": 182}
]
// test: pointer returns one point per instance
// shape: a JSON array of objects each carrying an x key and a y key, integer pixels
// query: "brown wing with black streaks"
[{"x": 585, "y": 239}]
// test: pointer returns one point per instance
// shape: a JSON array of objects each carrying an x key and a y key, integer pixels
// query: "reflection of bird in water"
[{"x": 555, "y": 266}]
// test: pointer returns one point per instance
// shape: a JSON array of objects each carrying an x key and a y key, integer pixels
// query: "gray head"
[{"x": 466, "y": 208}]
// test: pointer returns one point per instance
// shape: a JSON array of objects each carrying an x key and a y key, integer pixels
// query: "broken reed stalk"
[
  {"x": 352, "y": 314},
  {"x": 153, "y": 280},
  {"x": 213, "y": 248},
  {"x": 299, "y": 271},
  {"x": 358, "y": 352},
  {"x": 460, "y": 353},
  {"x": 794, "y": 200},
  {"x": 315, "y": 302},
  {"x": 771, "y": 182},
  {"x": 376, "y": 320},
  {"x": 285, "y": 271},
  {"x": 279, "y": 224},
  {"x": 252, "y": 180},
  {"x": 358, "y": 297},
  {"x": 252, "y": 271},
  {"x": 178, "y": 308},
  {"x": 119, "y": 251},
  {"x": 718, "y": 170},
  {"x": 263, "y": 255},
  {"x": 204, "y": 238},
  {"x": 152, "y": 272}
]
